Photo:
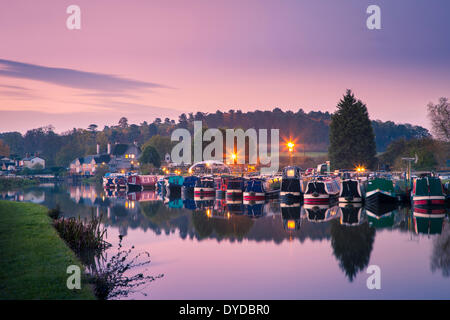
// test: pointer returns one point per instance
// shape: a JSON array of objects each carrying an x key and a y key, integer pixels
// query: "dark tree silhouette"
[
  {"x": 352, "y": 246},
  {"x": 352, "y": 139}
]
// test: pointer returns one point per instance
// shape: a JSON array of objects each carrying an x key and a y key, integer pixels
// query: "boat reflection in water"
[
  {"x": 351, "y": 214},
  {"x": 320, "y": 213},
  {"x": 291, "y": 216},
  {"x": 428, "y": 220},
  {"x": 381, "y": 216},
  {"x": 230, "y": 226}
]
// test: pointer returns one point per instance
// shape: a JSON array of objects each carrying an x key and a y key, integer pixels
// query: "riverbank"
[
  {"x": 16, "y": 183},
  {"x": 33, "y": 258}
]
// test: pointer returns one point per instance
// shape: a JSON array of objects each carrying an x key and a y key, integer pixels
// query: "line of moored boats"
[{"x": 291, "y": 186}]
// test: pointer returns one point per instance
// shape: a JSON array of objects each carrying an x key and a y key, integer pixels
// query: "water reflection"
[{"x": 350, "y": 229}]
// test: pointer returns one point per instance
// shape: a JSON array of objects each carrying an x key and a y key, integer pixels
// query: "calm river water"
[{"x": 216, "y": 250}]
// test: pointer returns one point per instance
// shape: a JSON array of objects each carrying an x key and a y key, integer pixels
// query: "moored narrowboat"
[
  {"x": 255, "y": 190},
  {"x": 188, "y": 186},
  {"x": 428, "y": 191},
  {"x": 141, "y": 182},
  {"x": 321, "y": 191},
  {"x": 204, "y": 187},
  {"x": 291, "y": 183},
  {"x": 173, "y": 185},
  {"x": 220, "y": 185},
  {"x": 235, "y": 188},
  {"x": 380, "y": 190},
  {"x": 350, "y": 191}
]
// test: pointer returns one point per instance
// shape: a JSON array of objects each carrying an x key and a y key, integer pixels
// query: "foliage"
[
  {"x": 161, "y": 144},
  {"x": 82, "y": 235},
  {"x": 352, "y": 140},
  {"x": 429, "y": 152},
  {"x": 311, "y": 131},
  {"x": 440, "y": 259},
  {"x": 150, "y": 155},
  {"x": 4, "y": 149},
  {"x": 55, "y": 213},
  {"x": 439, "y": 115},
  {"x": 110, "y": 279}
]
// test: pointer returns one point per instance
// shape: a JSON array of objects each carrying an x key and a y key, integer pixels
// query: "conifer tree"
[{"x": 352, "y": 139}]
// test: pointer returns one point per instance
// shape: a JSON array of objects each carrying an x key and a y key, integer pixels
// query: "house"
[
  {"x": 87, "y": 166},
  {"x": 32, "y": 162},
  {"x": 7, "y": 164},
  {"x": 118, "y": 158},
  {"x": 124, "y": 157}
]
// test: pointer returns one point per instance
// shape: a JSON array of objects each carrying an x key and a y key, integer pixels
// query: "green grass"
[{"x": 33, "y": 258}]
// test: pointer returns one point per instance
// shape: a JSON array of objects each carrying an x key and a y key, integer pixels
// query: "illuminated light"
[
  {"x": 228, "y": 215},
  {"x": 208, "y": 213},
  {"x": 291, "y": 224},
  {"x": 234, "y": 156},
  {"x": 290, "y": 173},
  {"x": 132, "y": 204},
  {"x": 190, "y": 171},
  {"x": 126, "y": 156},
  {"x": 126, "y": 204},
  {"x": 290, "y": 146}
]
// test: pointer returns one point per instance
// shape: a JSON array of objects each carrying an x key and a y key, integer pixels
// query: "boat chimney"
[{"x": 109, "y": 148}]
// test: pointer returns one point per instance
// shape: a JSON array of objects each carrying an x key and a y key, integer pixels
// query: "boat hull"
[{"x": 380, "y": 196}]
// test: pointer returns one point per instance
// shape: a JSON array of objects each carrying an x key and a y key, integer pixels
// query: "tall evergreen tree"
[{"x": 352, "y": 139}]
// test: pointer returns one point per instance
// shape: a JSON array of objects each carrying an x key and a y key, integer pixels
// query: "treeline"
[{"x": 311, "y": 131}]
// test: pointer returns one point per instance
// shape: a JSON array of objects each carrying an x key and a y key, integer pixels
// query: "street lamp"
[{"x": 290, "y": 145}]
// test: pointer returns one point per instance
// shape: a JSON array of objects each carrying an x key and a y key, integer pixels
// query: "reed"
[{"x": 83, "y": 234}]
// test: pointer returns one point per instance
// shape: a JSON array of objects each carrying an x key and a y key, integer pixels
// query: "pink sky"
[{"x": 189, "y": 56}]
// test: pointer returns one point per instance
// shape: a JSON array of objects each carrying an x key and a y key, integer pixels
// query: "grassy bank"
[
  {"x": 33, "y": 258},
  {"x": 15, "y": 183}
]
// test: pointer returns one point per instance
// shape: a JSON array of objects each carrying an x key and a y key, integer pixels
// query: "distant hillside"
[{"x": 310, "y": 130}]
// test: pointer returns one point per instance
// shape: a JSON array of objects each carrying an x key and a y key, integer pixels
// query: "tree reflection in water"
[
  {"x": 440, "y": 258},
  {"x": 352, "y": 246}
]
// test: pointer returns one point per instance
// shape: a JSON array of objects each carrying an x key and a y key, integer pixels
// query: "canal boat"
[
  {"x": 321, "y": 191},
  {"x": 120, "y": 182},
  {"x": 109, "y": 180},
  {"x": 255, "y": 190},
  {"x": 291, "y": 183},
  {"x": 141, "y": 182},
  {"x": 161, "y": 185},
  {"x": 350, "y": 191},
  {"x": 188, "y": 186},
  {"x": 380, "y": 190},
  {"x": 204, "y": 187},
  {"x": 220, "y": 186},
  {"x": 235, "y": 188},
  {"x": 428, "y": 191},
  {"x": 173, "y": 185}
]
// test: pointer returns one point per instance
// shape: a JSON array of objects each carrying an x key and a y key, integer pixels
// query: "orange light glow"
[{"x": 291, "y": 224}]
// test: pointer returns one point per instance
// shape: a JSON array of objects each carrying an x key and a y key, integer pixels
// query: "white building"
[{"x": 31, "y": 162}]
